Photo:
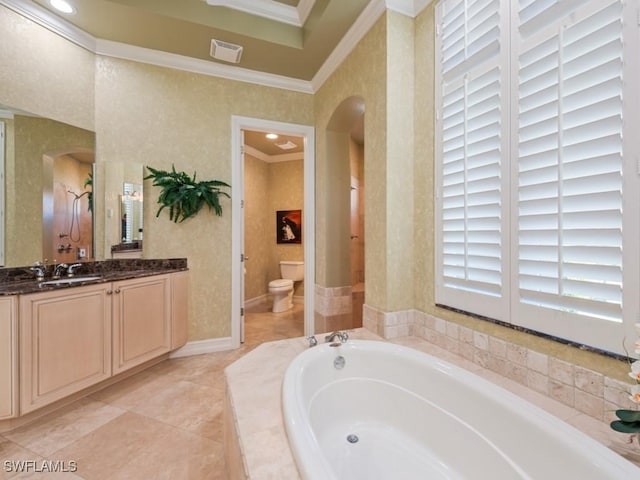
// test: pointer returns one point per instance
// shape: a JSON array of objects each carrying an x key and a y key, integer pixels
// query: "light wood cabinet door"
[
  {"x": 65, "y": 343},
  {"x": 8, "y": 358},
  {"x": 141, "y": 320}
]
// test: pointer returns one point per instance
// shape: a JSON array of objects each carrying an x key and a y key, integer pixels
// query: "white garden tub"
[{"x": 396, "y": 413}]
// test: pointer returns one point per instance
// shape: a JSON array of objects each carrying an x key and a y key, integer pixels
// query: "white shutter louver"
[
  {"x": 471, "y": 136},
  {"x": 570, "y": 159}
]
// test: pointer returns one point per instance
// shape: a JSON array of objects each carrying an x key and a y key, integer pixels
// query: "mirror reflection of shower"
[
  {"x": 131, "y": 212},
  {"x": 69, "y": 208}
]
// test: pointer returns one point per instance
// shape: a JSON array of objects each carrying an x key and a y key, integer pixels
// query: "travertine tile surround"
[
  {"x": 256, "y": 444},
  {"x": 586, "y": 390}
]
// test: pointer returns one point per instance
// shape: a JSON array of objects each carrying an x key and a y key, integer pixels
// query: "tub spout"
[{"x": 342, "y": 336}]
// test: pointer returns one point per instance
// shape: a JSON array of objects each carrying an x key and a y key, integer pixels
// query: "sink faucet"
[
  {"x": 342, "y": 336},
  {"x": 71, "y": 270},
  {"x": 40, "y": 269}
]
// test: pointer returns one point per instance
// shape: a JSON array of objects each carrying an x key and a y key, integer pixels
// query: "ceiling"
[
  {"x": 270, "y": 148},
  {"x": 285, "y": 43},
  {"x": 290, "y": 38}
]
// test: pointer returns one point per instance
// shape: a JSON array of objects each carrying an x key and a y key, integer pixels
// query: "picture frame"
[{"x": 289, "y": 226}]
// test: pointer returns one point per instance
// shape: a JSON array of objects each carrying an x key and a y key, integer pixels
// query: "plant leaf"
[
  {"x": 628, "y": 415},
  {"x": 625, "y": 427}
]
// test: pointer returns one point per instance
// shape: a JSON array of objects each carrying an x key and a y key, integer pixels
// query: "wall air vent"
[{"x": 227, "y": 52}]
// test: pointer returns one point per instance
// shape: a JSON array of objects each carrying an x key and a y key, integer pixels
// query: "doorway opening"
[
  {"x": 273, "y": 251},
  {"x": 246, "y": 131}
]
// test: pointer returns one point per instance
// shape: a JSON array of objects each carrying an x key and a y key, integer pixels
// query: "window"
[{"x": 536, "y": 179}]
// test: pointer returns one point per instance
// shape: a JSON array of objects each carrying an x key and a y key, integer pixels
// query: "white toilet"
[{"x": 282, "y": 289}]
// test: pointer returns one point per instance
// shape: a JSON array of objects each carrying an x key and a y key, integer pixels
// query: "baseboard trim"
[
  {"x": 198, "y": 347},
  {"x": 252, "y": 302}
]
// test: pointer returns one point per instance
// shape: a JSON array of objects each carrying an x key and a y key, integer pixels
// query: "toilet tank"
[{"x": 292, "y": 270}]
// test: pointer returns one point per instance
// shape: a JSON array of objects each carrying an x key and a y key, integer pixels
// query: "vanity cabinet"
[
  {"x": 141, "y": 320},
  {"x": 65, "y": 343},
  {"x": 8, "y": 364},
  {"x": 73, "y": 338}
]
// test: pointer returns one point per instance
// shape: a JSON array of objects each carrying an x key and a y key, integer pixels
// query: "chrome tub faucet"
[{"x": 342, "y": 336}]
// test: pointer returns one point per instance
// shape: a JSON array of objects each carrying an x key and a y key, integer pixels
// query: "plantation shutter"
[
  {"x": 469, "y": 128},
  {"x": 570, "y": 163}
]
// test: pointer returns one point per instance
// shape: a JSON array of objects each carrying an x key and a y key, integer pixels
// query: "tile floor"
[{"x": 163, "y": 423}]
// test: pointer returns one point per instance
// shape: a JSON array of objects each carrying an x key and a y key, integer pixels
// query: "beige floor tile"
[
  {"x": 111, "y": 447},
  {"x": 133, "y": 391},
  {"x": 187, "y": 405},
  {"x": 177, "y": 456},
  {"x": 15, "y": 455},
  {"x": 56, "y": 430}
]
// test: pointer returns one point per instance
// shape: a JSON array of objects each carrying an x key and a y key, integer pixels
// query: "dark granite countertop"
[{"x": 20, "y": 280}]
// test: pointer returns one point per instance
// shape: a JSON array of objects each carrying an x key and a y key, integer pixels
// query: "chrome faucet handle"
[
  {"x": 312, "y": 341},
  {"x": 342, "y": 336},
  {"x": 57, "y": 270},
  {"x": 71, "y": 269}
]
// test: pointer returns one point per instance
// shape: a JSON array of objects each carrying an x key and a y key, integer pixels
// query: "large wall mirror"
[{"x": 48, "y": 190}]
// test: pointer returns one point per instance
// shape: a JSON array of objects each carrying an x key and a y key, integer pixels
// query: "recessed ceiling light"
[
  {"x": 271, "y": 136},
  {"x": 62, "y": 6}
]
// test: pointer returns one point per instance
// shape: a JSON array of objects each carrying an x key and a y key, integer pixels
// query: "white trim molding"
[
  {"x": 410, "y": 8},
  {"x": 277, "y": 11},
  {"x": 198, "y": 347},
  {"x": 195, "y": 65}
]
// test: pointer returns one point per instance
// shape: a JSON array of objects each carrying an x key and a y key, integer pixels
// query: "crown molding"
[
  {"x": 204, "y": 67},
  {"x": 262, "y": 8},
  {"x": 410, "y": 8},
  {"x": 360, "y": 27},
  {"x": 279, "y": 12}
]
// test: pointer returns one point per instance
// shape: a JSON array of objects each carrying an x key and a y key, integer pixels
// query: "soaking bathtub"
[{"x": 374, "y": 410}]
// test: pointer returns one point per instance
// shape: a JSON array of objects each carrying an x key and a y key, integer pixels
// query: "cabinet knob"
[
  {"x": 109, "y": 292},
  {"x": 117, "y": 290}
]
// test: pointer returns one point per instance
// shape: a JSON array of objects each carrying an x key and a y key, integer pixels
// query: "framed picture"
[{"x": 289, "y": 226}]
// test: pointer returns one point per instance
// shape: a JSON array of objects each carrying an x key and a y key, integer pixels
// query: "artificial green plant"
[{"x": 183, "y": 195}]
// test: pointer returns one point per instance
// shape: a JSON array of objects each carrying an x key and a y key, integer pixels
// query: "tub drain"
[{"x": 352, "y": 438}]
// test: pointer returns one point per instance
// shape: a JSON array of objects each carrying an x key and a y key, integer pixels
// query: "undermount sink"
[{"x": 69, "y": 280}]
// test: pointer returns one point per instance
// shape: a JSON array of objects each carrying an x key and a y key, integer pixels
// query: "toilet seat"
[{"x": 281, "y": 283}]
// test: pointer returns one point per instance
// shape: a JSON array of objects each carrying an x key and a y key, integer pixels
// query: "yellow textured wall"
[
  {"x": 258, "y": 227},
  {"x": 43, "y": 73},
  {"x": 158, "y": 117},
  {"x": 363, "y": 74},
  {"x": 380, "y": 70},
  {"x": 399, "y": 275},
  {"x": 424, "y": 249}
]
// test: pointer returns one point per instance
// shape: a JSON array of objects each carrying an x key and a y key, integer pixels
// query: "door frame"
[{"x": 307, "y": 132}]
